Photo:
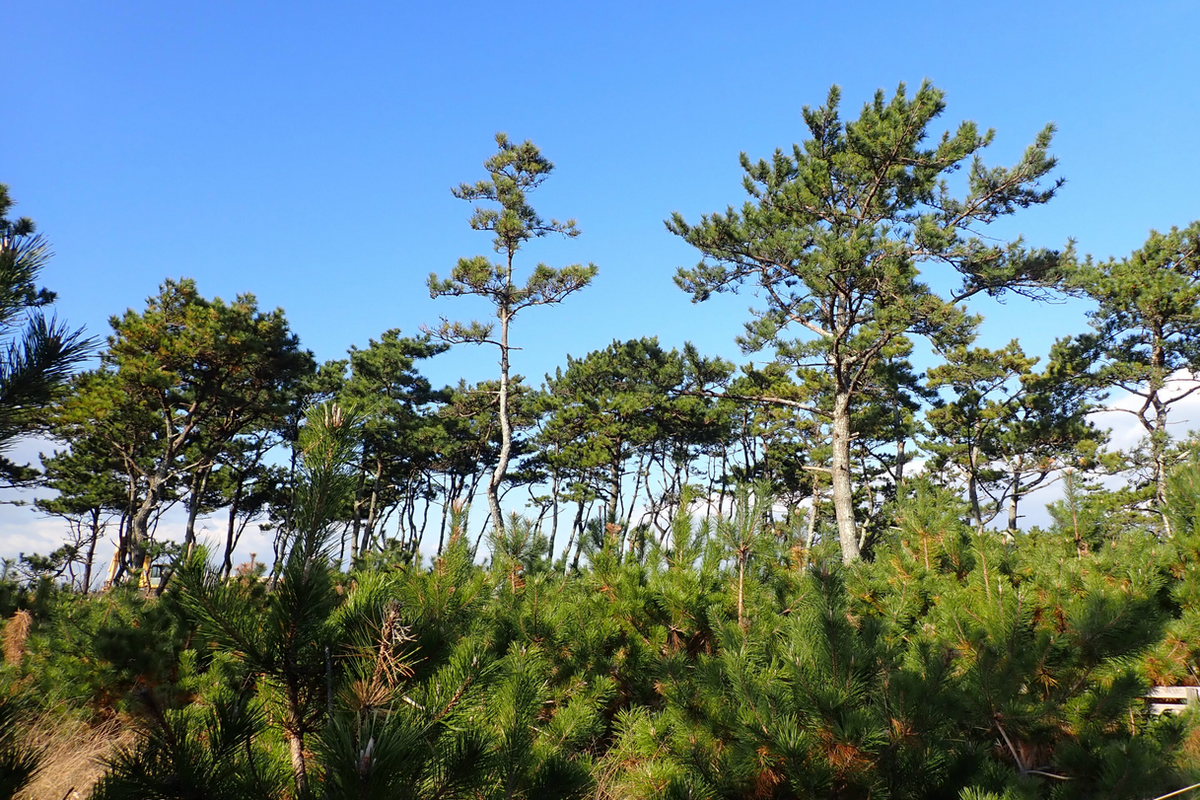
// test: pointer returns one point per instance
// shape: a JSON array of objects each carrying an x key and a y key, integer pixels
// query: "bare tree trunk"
[
  {"x": 372, "y": 509},
  {"x": 410, "y": 513},
  {"x": 356, "y": 511},
  {"x": 294, "y": 729},
  {"x": 812, "y": 517},
  {"x": 637, "y": 483},
  {"x": 843, "y": 493},
  {"x": 577, "y": 533},
  {"x": 553, "y": 513},
  {"x": 1158, "y": 444},
  {"x": 448, "y": 502},
  {"x": 140, "y": 524},
  {"x": 117, "y": 569},
  {"x": 614, "y": 491},
  {"x": 299, "y": 772},
  {"x": 195, "y": 495},
  {"x": 91, "y": 551},
  {"x": 1012, "y": 502},
  {"x": 493, "y": 488},
  {"x": 231, "y": 527}
]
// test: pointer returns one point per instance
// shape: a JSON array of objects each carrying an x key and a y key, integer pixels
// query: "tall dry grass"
[
  {"x": 16, "y": 633},
  {"x": 73, "y": 755}
]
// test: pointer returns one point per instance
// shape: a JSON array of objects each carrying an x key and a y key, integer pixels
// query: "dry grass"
[
  {"x": 16, "y": 632},
  {"x": 1188, "y": 757},
  {"x": 74, "y": 752}
]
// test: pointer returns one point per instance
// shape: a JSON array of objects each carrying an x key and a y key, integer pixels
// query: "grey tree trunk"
[
  {"x": 195, "y": 495},
  {"x": 842, "y": 491},
  {"x": 139, "y": 528},
  {"x": 1014, "y": 499},
  {"x": 493, "y": 488}
]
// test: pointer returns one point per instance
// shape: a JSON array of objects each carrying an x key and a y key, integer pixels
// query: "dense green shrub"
[{"x": 725, "y": 662}]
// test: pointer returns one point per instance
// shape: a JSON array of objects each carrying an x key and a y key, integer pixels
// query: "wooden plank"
[
  {"x": 1167, "y": 708},
  {"x": 1177, "y": 699}
]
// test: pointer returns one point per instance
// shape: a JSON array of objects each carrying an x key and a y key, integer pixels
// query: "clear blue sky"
[{"x": 304, "y": 151}]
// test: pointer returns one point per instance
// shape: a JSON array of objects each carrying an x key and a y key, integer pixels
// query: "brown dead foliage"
[
  {"x": 73, "y": 755},
  {"x": 16, "y": 632}
]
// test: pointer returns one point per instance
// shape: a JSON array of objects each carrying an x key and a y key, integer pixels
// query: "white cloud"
[{"x": 1125, "y": 433}]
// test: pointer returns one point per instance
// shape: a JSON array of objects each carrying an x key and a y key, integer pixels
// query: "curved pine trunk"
[{"x": 493, "y": 488}]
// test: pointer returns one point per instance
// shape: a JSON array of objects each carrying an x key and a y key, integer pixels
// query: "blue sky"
[{"x": 304, "y": 151}]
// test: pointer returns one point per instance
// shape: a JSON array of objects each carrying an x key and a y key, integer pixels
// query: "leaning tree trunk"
[
  {"x": 973, "y": 490},
  {"x": 231, "y": 530},
  {"x": 614, "y": 491},
  {"x": 553, "y": 512},
  {"x": 139, "y": 526},
  {"x": 368, "y": 532}
]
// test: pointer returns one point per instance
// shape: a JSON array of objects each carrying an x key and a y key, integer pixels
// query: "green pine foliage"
[
  {"x": 839, "y": 629},
  {"x": 725, "y": 661},
  {"x": 19, "y": 762},
  {"x": 37, "y": 355},
  {"x": 205, "y": 751}
]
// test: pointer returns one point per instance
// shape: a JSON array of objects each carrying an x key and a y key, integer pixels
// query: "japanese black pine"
[
  {"x": 836, "y": 234},
  {"x": 513, "y": 172}
]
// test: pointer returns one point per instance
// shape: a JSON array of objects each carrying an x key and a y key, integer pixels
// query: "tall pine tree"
[
  {"x": 835, "y": 234},
  {"x": 513, "y": 172}
]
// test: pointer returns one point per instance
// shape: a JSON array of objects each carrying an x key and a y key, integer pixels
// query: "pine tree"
[
  {"x": 834, "y": 235},
  {"x": 286, "y": 636},
  {"x": 1007, "y": 429},
  {"x": 399, "y": 409},
  {"x": 38, "y": 354},
  {"x": 179, "y": 381},
  {"x": 90, "y": 493},
  {"x": 19, "y": 761},
  {"x": 514, "y": 171},
  {"x": 1146, "y": 338}
]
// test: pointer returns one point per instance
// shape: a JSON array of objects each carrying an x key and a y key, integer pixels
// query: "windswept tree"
[
  {"x": 90, "y": 492},
  {"x": 835, "y": 235},
  {"x": 623, "y": 409},
  {"x": 398, "y": 407},
  {"x": 514, "y": 171},
  {"x": 247, "y": 487},
  {"x": 779, "y": 443},
  {"x": 179, "y": 382}
]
